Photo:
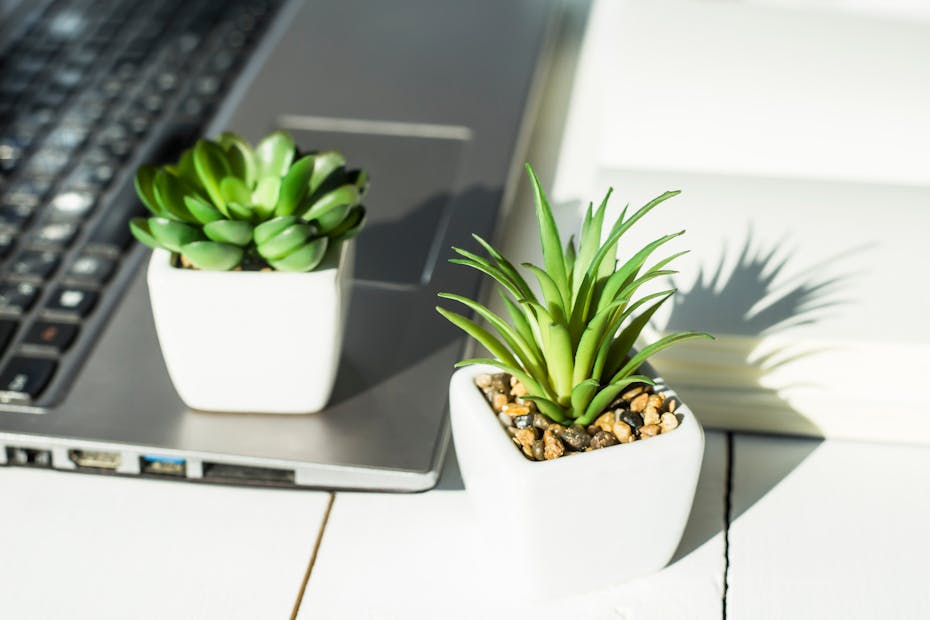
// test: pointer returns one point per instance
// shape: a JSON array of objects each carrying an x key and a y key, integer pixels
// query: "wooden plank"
[
  {"x": 421, "y": 556},
  {"x": 828, "y": 530},
  {"x": 101, "y": 547}
]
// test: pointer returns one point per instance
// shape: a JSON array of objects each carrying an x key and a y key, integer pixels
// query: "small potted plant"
[
  {"x": 249, "y": 276},
  {"x": 580, "y": 463}
]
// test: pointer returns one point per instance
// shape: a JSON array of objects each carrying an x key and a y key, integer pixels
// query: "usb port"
[
  {"x": 92, "y": 459},
  {"x": 29, "y": 457},
  {"x": 163, "y": 465}
]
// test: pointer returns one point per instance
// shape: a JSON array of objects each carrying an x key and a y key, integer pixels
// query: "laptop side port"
[
  {"x": 29, "y": 457},
  {"x": 163, "y": 465},
  {"x": 244, "y": 474},
  {"x": 93, "y": 459}
]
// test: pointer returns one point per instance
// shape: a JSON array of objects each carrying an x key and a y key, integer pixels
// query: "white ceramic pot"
[
  {"x": 578, "y": 522},
  {"x": 248, "y": 341}
]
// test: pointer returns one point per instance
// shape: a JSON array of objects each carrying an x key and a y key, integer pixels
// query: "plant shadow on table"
[{"x": 756, "y": 299}]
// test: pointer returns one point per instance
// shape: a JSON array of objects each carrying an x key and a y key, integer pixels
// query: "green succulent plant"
[
  {"x": 225, "y": 204},
  {"x": 572, "y": 349}
]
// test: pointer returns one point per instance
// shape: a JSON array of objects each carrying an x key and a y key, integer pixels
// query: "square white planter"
[
  {"x": 248, "y": 341},
  {"x": 578, "y": 522}
]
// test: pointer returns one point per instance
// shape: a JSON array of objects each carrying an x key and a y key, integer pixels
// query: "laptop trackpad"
[{"x": 412, "y": 179}]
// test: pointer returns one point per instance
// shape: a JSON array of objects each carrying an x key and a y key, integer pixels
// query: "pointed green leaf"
[
  {"x": 646, "y": 352},
  {"x": 549, "y": 238},
  {"x": 606, "y": 395},
  {"x": 212, "y": 255},
  {"x": 560, "y": 360},
  {"x": 582, "y": 394},
  {"x": 550, "y": 409},
  {"x": 621, "y": 346},
  {"x": 483, "y": 336},
  {"x": 506, "y": 267},
  {"x": 591, "y": 339},
  {"x": 551, "y": 293}
]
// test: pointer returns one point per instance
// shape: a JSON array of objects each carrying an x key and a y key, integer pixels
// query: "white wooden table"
[{"x": 781, "y": 528}]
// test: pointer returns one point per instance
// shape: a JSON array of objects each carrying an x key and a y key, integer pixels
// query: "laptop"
[{"x": 429, "y": 96}]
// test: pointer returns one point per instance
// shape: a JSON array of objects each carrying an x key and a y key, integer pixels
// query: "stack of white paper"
[{"x": 801, "y": 142}]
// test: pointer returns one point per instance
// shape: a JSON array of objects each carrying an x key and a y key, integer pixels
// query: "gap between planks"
[
  {"x": 727, "y": 516},
  {"x": 313, "y": 554}
]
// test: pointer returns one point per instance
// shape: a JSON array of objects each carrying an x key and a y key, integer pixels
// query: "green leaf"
[
  {"x": 560, "y": 360},
  {"x": 553, "y": 410},
  {"x": 521, "y": 323},
  {"x": 591, "y": 339},
  {"x": 274, "y": 154},
  {"x": 325, "y": 164},
  {"x": 234, "y": 189},
  {"x": 506, "y": 267},
  {"x": 624, "y": 342},
  {"x": 240, "y": 212},
  {"x": 553, "y": 259},
  {"x": 285, "y": 242},
  {"x": 240, "y": 156},
  {"x": 144, "y": 184},
  {"x": 228, "y": 231},
  {"x": 551, "y": 293},
  {"x": 350, "y": 226},
  {"x": 610, "y": 354},
  {"x": 332, "y": 219},
  {"x": 202, "y": 211},
  {"x": 188, "y": 171},
  {"x": 139, "y": 226},
  {"x": 265, "y": 196},
  {"x": 662, "y": 343},
  {"x": 171, "y": 235},
  {"x": 607, "y": 395},
  {"x": 210, "y": 163},
  {"x": 212, "y": 255},
  {"x": 622, "y": 276},
  {"x": 582, "y": 394},
  {"x": 524, "y": 351},
  {"x": 266, "y": 230},
  {"x": 483, "y": 336},
  {"x": 294, "y": 186},
  {"x": 589, "y": 243},
  {"x": 170, "y": 195},
  {"x": 339, "y": 197},
  {"x": 304, "y": 258}
]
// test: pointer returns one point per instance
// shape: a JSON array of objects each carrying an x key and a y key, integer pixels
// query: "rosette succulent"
[
  {"x": 225, "y": 204},
  {"x": 572, "y": 349}
]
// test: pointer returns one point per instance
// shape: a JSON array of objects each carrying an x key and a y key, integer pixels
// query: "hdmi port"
[{"x": 90, "y": 459}]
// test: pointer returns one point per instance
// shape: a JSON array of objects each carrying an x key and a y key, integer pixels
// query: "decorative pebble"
[
  {"x": 606, "y": 421},
  {"x": 505, "y": 419},
  {"x": 650, "y": 415},
  {"x": 623, "y": 432},
  {"x": 517, "y": 389},
  {"x": 633, "y": 419},
  {"x": 483, "y": 381},
  {"x": 553, "y": 447},
  {"x": 499, "y": 401},
  {"x": 631, "y": 394},
  {"x": 500, "y": 382},
  {"x": 526, "y": 437},
  {"x": 521, "y": 421},
  {"x": 639, "y": 403},
  {"x": 669, "y": 422},
  {"x": 655, "y": 400},
  {"x": 513, "y": 409},
  {"x": 602, "y": 439},
  {"x": 649, "y": 430},
  {"x": 540, "y": 421},
  {"x": 539, "y": 450},
  {"x": 671, "y": 404},
  {"x": 575, "y": 437}
]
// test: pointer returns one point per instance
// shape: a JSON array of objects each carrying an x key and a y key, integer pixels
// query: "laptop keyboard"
[{"x": 86, "y": 90}]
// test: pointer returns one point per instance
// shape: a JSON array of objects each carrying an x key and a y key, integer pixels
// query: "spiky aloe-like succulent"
[
  {"x": 572, "y": 350},
  {"x": 225, "y": 204}
]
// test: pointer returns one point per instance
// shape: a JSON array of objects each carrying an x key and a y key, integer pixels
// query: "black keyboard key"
[
  {"x": 7, "y": 329},
  {"x": 38, "y": 264},
  {"x": 51, "y": 334},
  {"x": 17, "y": 296},
  {"x": 72, "y": 300},
  {"x": 26, "y": 377},
  {"x": 14, "y": 216},
  {"x": 92, "y": 269},
  {"x": 72, "y": 205},
  {"x": 58, "y": 234}
]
